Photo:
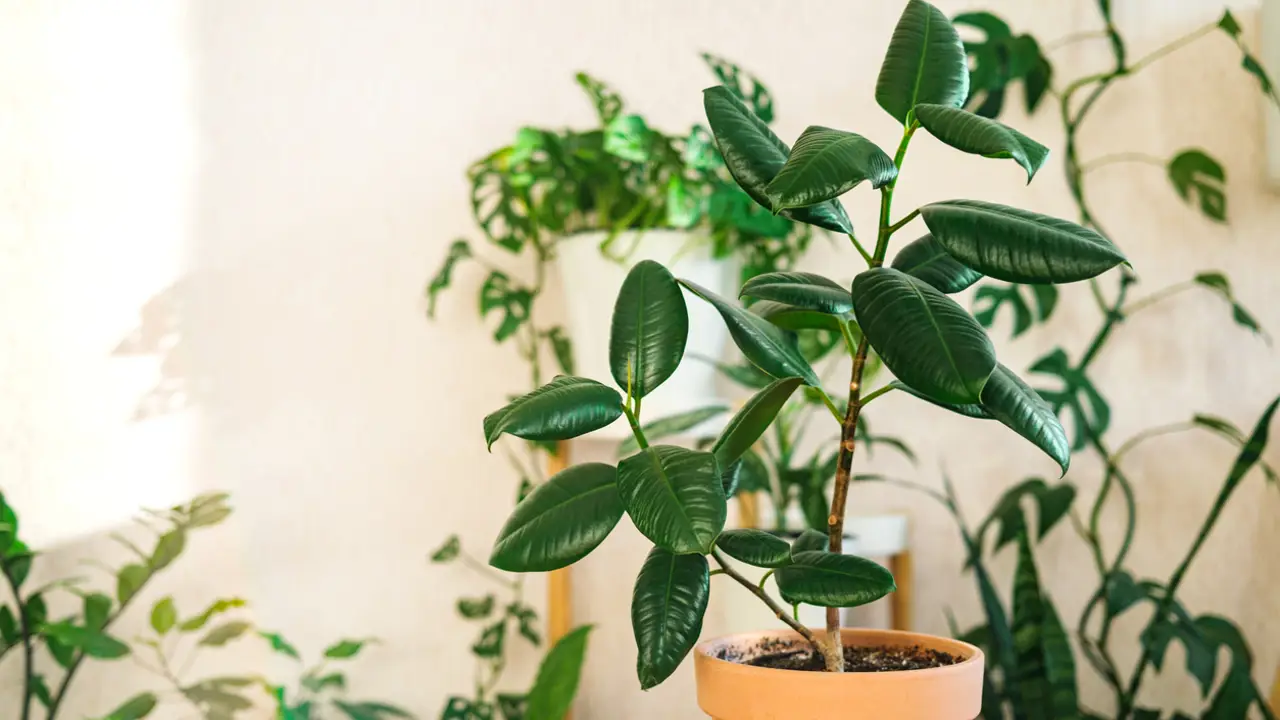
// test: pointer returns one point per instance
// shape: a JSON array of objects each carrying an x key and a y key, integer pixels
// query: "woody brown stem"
[{"x": 758, "y": 591}]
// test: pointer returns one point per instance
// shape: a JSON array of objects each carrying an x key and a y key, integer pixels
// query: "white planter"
[{"x": 591, "y": 283}]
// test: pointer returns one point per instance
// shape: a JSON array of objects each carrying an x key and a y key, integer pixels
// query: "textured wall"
[{"x": 294, "y": 169}]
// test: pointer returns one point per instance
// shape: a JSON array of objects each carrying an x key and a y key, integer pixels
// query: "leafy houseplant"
[
  {"x": 321, "y": 685},
  {"x": 1031, "y": 681},
  {"x": 937, "y": 351}
]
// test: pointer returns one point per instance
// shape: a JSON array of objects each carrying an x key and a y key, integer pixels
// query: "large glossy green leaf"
[
  {"x": 925, "y": 63},
  {"x": 650, "y": 328},
  {"x": 671, "y": 425},
  {"x": 752, "y": 420},
  {"x": 1046, "y": 675},
  {"x": 560, "y": 410},
  {"x": 927, "y": 260},
  {"x": 923, "y": 336},
  {"x": 557, "y": 681},
  {"x": 800, "y": 289},
  {"x": 809, "y": 540},
  {"x": 1018, "y": 245},
  {"x": 754, "y": 156},
  {"x": 674, "y": 496},
  {"x": 667, "y": 606},
  {"x": 795, "y": 319},
  {"x": 755, "y": 547},
  {"x": 1192, "y": 171},
  {"x": 1011, "y": 401},
  {"x": 830, "y": 580},
  {"x": 969, "y": 410},
  {"x": 825, "y": 164},
  {"x": 977, "y": 135},
  {"x": 561, "y": 521},
  {"x": 762, "y": 342}
]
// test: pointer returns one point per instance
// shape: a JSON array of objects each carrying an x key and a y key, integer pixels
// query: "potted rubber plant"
[{"x": 938, "y": 352}]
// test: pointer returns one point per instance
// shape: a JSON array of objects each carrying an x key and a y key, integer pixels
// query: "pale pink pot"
[{"x": 732, "y": 691}]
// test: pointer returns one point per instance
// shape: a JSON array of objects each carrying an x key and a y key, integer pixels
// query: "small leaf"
[
  {"x": 735, "y": 80},
  {"x": 93, "y": 643},
  {"x": 753, "y": 475},
  {"x": 672, "y": 425},
  {"x": 280, "y": 645},
  {"x": 759, "y": 340},
  {"x": 1018, "y": 245},
  {"x": 135, "y": 708},
  {"x": 218, "y": 607},
  {"x": 1123, "y": 592},
  {"x": 225, "y": 633},
  {"x": 448, "y": 551},
  {"x": 557, "y": 681},
  {"x": 667, "y": 606},
  {"x": 561, "y": 521},
  {"x": 1089, "y": 411},
  {"x": 97, "y": 608},
  {"x": 754, "y": 156},
  {"x": 562, "y": 347},
  {"x": 512, "y": 707},
  {"x": 627, "y": 137},
  {"x": 1229, "y": 24},
  {"x": 492, "y": 640},
  {"x": 990, "y": 298},
  {"x": 370, "y": 710},
  {"x": 755, "y": 547},
  {"x": 498, "y": 293},
  {"x": 458, "y": 251},
  {"x": 1011, "y": 401},
  {"x": 927, "y": 260},
  {"x": 344, "y": 649},
  {"x": 40, "y": 689},
  {"x": 9, "y": 632},
  {"x": 925, "y": 63},
  {"x": 649, "y": 331},
  {"x": 830, "y": 580},
  {"x": 168, "y": 548},
  {"x": 1194, "y": 172},
  {"x": 163, "y": 616},
  {"x": 977, "y": 135},
  {"x": 563, "y": 409},
  {"x": 800, "y": 289},
  {"x": 825, "y": 164},
  {"x": 809, "y": 541},
  {"x": 674, "y": 496},
  {"x": 1053, "y": 504},
  {"x": 1219, "y": 283},
  {"x": 476, "y": 608},
  {"x": 750, "y": 423},
  {"x": 317, "y": 684},
  {"x": 527, "y": 620},
  {"x": 923, "y": 336},
  {"x": 607, "y": 102}
]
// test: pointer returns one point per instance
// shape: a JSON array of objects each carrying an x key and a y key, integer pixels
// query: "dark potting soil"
[{"x": 786, "y": 656}]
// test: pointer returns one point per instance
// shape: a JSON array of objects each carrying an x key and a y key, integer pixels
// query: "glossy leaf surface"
[
  {"x": 755, "y": 547},
  {"x": 977, "y": 135},
  {"x": 754, "y": 156},
  {"x": 561, "y": 521},
  {"x": 927, "y": 260},
  {"x": 830, "y": 580},
  {"x": 800, "y": 289},
  {"x": 1011, "y": 401},
  {"x": 825, "y": 164},
  {"x": 923, "y": 336},
  {"x": 809, "y": 540},
  {"x": 667, "y": 606},
  {"x": 762, "y": 342},
  {"x": 560, "y": 410},
  {"x": 925, "y": 63},
  {"x": 674, "y": 496},
  {"x": 650, "y": 329},
  {"x": 750, "y": 423},
  {"x": 1018, "y": 245}
]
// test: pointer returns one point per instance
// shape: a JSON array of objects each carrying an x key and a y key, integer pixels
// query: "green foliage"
[
  {"x": 990, "y": 298},
  {"x": 649, "y": 331},
  {"x": 1046, "y": 678},
  {"x": 667, "y": 606},
  {"x": 755, "y": 547},
  {"x": 825, "y": 164},
  {"x": 978, "y": 135},
  {"x": 1218, "y": 283},
  {"x": 1011, "y": 401},
  {"x": 1192, "y": 172},
  {"x": 1090, "y": 412},
  {"x": 316, "y": 689},
  {"x": 561, "y": 522},
  {"x": 565, "y": 408},
  {"x": 925, "y": 64},
  {"x": 830, "y": 580},
  {"x": 802, "y": 290},
  {"x": 674, "y": 497},
  {"x": 751, "y": 422},
  {"x": 557, "y": 681},
  {"x": 999, "y": 59},
  {"x": 672, "y": 425},
  {"x": 925, "y": 259}
]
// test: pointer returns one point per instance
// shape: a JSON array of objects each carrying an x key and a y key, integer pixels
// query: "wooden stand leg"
[
  {"x": 900, "y": 601},
  {"x": 1275, "y": 694},
  {"x": 559, "y": 582}
]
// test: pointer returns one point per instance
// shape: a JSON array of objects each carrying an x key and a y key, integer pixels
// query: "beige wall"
[{"x": 295, "y": 169}]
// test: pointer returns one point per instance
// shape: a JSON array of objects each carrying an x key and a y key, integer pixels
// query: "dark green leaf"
[
  {"x": 929, "y": 261},
  {"x": 135, "y": 708},
  {"x": 1053, "y": 504},
  {"x": 458, "y": 708},
  {"x": 225, "y": 633},
  {"x": 825, "y": 164},
  {"x": 1089, "y": 410},
  {"x": 795, "y": 319},
  {"x": 371, "y": 710},
  {"x": 925, "y": 63},
  {"x": 605, "y": 100},
  {"x": 1018, "y": 245},
  {"x": 830, "y": 580},
  {"x": 163, "y": 616},
  {"x": 734, "y": 79},
  {"x": 512, "y": 707},
  {"x": 527, "y": 620},
  {"x": 447, "y": 551},
  {"x": 751, "y": 422},
  {"x": 969, "y": 410},
  {"x": 64, "y": 654},
  {"x": 1123, "y": 592},
  {"x": 809, "y": 541},
  {"x": 344, "y": 649},
  {"x": 498, "y": 293},
  {"x": 476, "y": 608},
  {"x": 1229, "y": 25},
  {"x": 97, "y": 608},
  {"x": 561, "y": 521},
  {"x": 755, "y": 547},
  {"x": 280, "y": 645},
  {"x": 562, "y": 348},
  {"x": 754, "y": 156},
  {"x": 667, "y": 606},
  {"x": 168, "y": 548},
  {"x": 674, "y": 496},
  {"x": 1219, "y": 283},
  {"x": 9, "y": 632},
  {"x": 563, "y": 409},
  {"x": 557, "y": 681},
  {"x": 753, "y": 476},
  {"x": 923, "y": 336},
  {"x": 93, "y": 643},
  {"x": 1011, "y": 401},
  {"x": 458, "y": 251},
  {"x": 760, "y": 341},
  {"x": 802, "y": 290},
  {"x": 1194, "y": 172},
  {"x": 1046, "y": 675},
  {"x": 990, "y": 298},
  {"x": 672, "y": 425},
  {"x": 492, "y": 640},
  {"x": 977, "y": 135},
  {"x": 747, "y": 375},
  {"x": 650, "y": 328},
  {"x": 40, "y": 689},
  {"x": 216, "y": 608}
]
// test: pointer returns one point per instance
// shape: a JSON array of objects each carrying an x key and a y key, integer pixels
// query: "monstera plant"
[{"x": 898, "y": 304}]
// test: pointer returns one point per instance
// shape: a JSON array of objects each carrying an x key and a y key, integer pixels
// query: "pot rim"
[{"x": 973, "y": 654}]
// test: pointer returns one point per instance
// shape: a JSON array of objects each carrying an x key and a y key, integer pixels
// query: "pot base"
[{"x": 736, "y": 691}]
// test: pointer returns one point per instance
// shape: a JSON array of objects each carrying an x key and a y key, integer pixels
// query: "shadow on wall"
[{"x": 159, "y": 336}]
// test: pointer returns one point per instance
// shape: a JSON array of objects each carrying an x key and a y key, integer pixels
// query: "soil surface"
[{"x": 787, "y": 656}]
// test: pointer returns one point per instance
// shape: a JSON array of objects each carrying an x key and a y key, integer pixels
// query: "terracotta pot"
[{"x": 732, "y": 691}]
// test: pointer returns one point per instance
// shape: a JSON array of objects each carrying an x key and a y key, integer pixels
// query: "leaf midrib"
[
  {"x": 840, "y": 140},
  {"x": 946, "y": 348},
  {"x": 667, "y": 484}
]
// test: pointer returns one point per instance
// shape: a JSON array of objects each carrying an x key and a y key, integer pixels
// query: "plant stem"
[
  {"x": 1172, "y": 47},
  {"x": 28, "y": 650},
  {"x": 850, "y": 343},
  {"x": 872, "y": 396},
  {"x": 1157, "y": 296},
  {"x": 482, "y": 569},
  {"x": 1123, "y": 157},
  {"x": 777, "y": 609},
  {"x": 1075, "y": 38},
  {"x": 903, "y": 222},
  {"x": 886, "y": 198},
  {"x": 831, "y": 405},
  {"x": 635, "y": 427},
  {"x": 861, "y": 250}
]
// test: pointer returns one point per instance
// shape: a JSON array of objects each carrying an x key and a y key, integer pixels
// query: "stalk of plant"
[{"x": 898, "y": 307}]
